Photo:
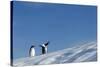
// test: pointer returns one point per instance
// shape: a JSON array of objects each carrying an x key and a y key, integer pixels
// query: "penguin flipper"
[{"x": 47, "y": 43}]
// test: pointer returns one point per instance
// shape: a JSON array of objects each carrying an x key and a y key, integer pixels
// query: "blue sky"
[{"x": 63, "y": 25}]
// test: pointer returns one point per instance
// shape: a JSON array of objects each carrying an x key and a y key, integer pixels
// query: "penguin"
[
  {"x": 32, "y": 51},
  {"x": 44, "y": 47}
]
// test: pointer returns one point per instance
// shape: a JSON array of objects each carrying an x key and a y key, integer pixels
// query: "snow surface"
[{"x": 81, "y": 53}]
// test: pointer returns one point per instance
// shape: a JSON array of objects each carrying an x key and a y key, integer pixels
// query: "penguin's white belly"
[
  {"x": 32, "y": 53},
  {"x": 46, "y": 49}
]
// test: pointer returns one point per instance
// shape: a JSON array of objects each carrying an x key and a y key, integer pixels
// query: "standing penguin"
[
  {"x": 44, "y": 47},
  {"x": 32, "y": 51}
]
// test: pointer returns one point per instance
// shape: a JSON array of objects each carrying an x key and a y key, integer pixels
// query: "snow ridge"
[{"x": 81, "y": 53}]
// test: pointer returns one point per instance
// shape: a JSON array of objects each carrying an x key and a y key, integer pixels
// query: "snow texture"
[{"x": 81, "y": 53}]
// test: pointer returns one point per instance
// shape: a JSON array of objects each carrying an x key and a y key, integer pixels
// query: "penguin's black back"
[{"x": 43, "y": 50}]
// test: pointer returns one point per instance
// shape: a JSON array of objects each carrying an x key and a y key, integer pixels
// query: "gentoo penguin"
[
  {"x": 44, "y": 47},
  {"x": 32, "y": 51}
]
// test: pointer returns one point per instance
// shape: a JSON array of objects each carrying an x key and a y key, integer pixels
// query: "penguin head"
[{"x": 32, "y": 46}]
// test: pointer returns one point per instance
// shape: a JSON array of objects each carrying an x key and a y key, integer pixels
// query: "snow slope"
[{"x": 80, "y": 53}]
